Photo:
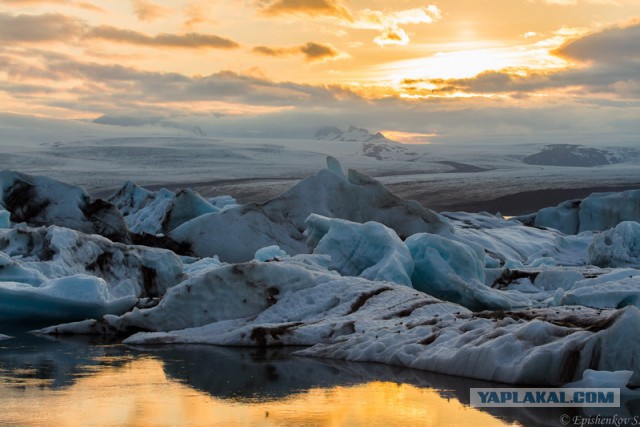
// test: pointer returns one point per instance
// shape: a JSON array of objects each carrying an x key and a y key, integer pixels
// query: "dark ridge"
[
  {"x": 509, "y": 276},
  {"x": 163, "y": 242},
  {"x": 260, "y": 334},
  {"x": 363, "y": 298}
]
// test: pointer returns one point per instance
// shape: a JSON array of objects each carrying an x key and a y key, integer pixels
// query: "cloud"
[
  {"x": 311, "y": 51},
  {"x": 189, "y": 40},
  {"x": 610, "y": 46},
  {"x": 147, "y": 11},
  {"x": 39, "y": 28},
  {"x": 79, "y": 4},
  {"x": 389, "y": 24},
  {"x": 62, "y": 28},
  {"x": 334, "y": 8}
]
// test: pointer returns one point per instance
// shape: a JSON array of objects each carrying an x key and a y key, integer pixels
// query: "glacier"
[{"x": 338, "y": 265}]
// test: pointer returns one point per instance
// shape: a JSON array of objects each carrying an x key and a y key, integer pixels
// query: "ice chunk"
[
  {"x": 55, "y": 252},
  {"x": 334, "y": 166},
  {"x": 598, "y": 212},
  {"x": 39, "y": 200},
  {"x": 270, "y": 253},
  {"x": 452, "y": 271},
  {"x": 203, "y": 264},
  {"x": 617, "y": 247},
  {"x": 564, "y": 217},
  {"x": 4, "y": 337},
  {"x": 280, "y": 221},
  {"x": 368, "y": 250},
  {"x": 5, "y": 221},
  {"x": 158, "y": 212},
  {"x": 68, "y": 298},
  {"x": 223, "y": 202}
]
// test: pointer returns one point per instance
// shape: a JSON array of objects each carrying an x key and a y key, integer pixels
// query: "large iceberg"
[
  {"x": 291, "y": 303},
  {"x": 281, "y": 221}
]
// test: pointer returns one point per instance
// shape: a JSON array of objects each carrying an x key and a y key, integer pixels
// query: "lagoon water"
[{"x": 77, "y": 381}]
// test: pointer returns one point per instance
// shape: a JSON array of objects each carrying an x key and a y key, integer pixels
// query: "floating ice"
[
  {"x": 280, "y": 221},
  {"x": 617, "y": 289},
  {"x": 598, "y": 212},
  {"x": 617, "y": 247},
  {"x": 289, "y": 303},
  {"x": 368, "y": 250},
  {"x": 68, "y": 298},
  {"x": 38, "y": 200}
]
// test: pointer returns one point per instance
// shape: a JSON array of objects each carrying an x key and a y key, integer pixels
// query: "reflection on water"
[{"x": 75, "y": 382}]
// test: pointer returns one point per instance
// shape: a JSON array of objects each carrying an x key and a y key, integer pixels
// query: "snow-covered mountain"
[
  {"x": 375, "y": 145},
  {"x": 332, "y": 133}
]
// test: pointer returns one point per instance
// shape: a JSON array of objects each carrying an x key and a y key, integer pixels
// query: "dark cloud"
[
  {"x": 333, "y": 8},
  {"x": 311, "y": 51},
  {"x": 613, "y": 45},
  {"x": 189, "y": 40}
]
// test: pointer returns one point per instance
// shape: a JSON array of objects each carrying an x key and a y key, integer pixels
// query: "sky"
[{"x": 441, "y": 71}]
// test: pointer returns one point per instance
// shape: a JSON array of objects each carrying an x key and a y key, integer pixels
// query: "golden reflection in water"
[{"x": 139, "y": 394}]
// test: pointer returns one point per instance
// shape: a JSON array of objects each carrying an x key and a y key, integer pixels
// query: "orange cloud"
[
  {"x": 311, "y": 51},
  {"x": 147, "y": 11},
  {"x": 189, "y": 40},
  {"x": 333, "y": 8}
]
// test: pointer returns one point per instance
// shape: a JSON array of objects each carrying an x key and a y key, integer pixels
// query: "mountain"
[
  {"x": 332, "y": 133},
  {"x": 375, "y": 145},
  {"x": 572, "y": 155}
]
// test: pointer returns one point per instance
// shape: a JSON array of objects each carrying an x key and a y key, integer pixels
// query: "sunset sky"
[{"x": 508, "y": 70}]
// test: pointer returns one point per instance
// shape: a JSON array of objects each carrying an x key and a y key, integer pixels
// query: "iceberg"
[
  {"x": 617, "y": 247},
  {"x": 597, "y": 212},
  {"x": 159, "y": 212},
  {"x": 68, "y": 298},
  {"x": 368, "y": 250},
  {"x": 38, "y": 200},
  {"x": 356, "y": 319},
  {"x": 281, "y": 221}
]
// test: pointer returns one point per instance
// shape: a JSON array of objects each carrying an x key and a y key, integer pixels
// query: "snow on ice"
[{"x": 337, "y": 264}]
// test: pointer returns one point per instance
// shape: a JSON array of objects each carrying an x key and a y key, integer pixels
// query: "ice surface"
[
  {"x": 4, "y": 219},
  {"x": 280, "y": 221},
  {"x": 617, "y": 247},
  {"x": 68, "y": 298},
  {"x": 452, "y": 271},
  {"x": 4, "y": 337},
  {"x": 270, "y": 253},
  {"x": 368, "y": 250},
  {"x": 616, "y": 289}
]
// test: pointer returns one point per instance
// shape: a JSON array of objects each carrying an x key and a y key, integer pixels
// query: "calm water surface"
[{"x": 78, "y": 382}]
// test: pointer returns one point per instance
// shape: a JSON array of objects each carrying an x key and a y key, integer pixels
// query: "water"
[{"x": 75, "y": 381}]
